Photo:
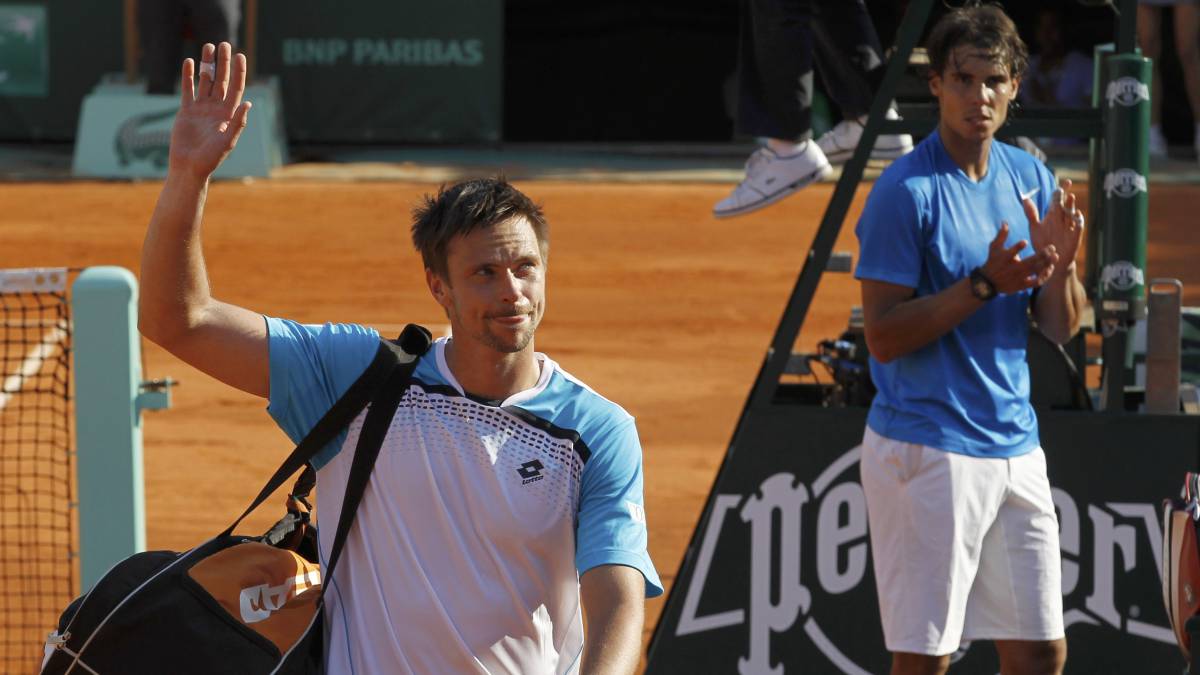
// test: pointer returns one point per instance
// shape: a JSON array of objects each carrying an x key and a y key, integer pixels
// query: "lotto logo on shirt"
[{"x": 531, "y": 471}]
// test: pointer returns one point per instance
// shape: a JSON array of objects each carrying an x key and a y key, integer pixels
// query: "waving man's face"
[{"x": 495, "y": 290}]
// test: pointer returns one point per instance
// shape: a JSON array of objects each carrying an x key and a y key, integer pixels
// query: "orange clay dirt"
[{"x": 651, "y": 301}]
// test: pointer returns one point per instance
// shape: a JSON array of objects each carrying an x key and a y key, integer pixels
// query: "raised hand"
[
  {"x": 1062, "y": 227},
  {"x": 1009, "y": 273},
  {"x": 211, "y": 115}
]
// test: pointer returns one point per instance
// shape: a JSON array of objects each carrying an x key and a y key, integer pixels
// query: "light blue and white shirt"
[{"x": 478, "y": 519}]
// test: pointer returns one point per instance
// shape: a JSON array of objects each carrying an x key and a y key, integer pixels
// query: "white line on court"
[{"x": 31, "y": 365}]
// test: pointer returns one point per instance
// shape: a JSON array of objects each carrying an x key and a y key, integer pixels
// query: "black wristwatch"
[{"x": 981, "y": 286}]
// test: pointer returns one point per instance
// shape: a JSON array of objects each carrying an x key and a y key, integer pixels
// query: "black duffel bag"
[{"x": 236, "y": 604}]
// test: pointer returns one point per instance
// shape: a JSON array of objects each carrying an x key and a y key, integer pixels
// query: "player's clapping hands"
[
  {"x": 212, "y": 114},
  {"x": 1009, "y": 272},
  {"x": 1055, "y": 240},
  {"x": 1061, "y": 228}
]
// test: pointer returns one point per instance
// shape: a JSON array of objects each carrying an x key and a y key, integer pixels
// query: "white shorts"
[{"x": 965, "y": 548}]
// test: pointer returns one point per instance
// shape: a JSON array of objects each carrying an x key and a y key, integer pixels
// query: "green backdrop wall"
[
  {"x": 52, "y": 52},
  {"x": 400, "y": 72}
]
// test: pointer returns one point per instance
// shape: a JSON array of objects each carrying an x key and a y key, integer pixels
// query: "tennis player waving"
[{"x": 507, "y": 498}]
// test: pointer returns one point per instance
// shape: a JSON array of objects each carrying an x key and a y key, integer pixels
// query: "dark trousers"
[
  {"x": 161, "y": 27},
  {"x": 778, "y": 43}
]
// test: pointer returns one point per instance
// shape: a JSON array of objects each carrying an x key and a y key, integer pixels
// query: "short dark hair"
[
  {"x": 464, "y": 207},
  {"x": 983, "y": 26}
]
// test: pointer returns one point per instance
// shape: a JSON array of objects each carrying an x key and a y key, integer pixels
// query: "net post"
[{"x": 112, "y": 523}]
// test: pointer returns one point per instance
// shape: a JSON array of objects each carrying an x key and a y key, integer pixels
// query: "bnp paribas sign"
[
  {"x": 465, "y": 52},
  {"x": 401, "y": 72}
]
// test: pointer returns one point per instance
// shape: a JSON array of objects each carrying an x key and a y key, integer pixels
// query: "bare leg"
[
  {"x": 904, "y": 663},
  {"x": 1032, "y": 657}
]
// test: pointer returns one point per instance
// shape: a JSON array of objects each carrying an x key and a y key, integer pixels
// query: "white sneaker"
[
  {"x": 1157, "y": 143},
  {"x": 839, "y": 143},
  {"x": 770, "y": 178}
]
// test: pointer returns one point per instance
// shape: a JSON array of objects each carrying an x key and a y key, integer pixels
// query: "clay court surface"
[{"x": 651, "y": 301}]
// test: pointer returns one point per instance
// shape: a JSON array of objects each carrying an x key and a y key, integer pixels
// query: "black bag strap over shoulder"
[
  {"x": 370, "y": 441},
  {"x": 401, "y": 355},
  {"x": 370, "y": 438}
]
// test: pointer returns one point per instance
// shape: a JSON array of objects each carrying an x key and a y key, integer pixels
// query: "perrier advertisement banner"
[
  {"x": 24, "y": 51},
  {"x": 778, "y": 578},
  {"x": 386, "y": 71}
]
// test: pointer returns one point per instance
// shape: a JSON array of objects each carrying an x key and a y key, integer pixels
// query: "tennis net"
[{"x": 37, "y": 543}]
